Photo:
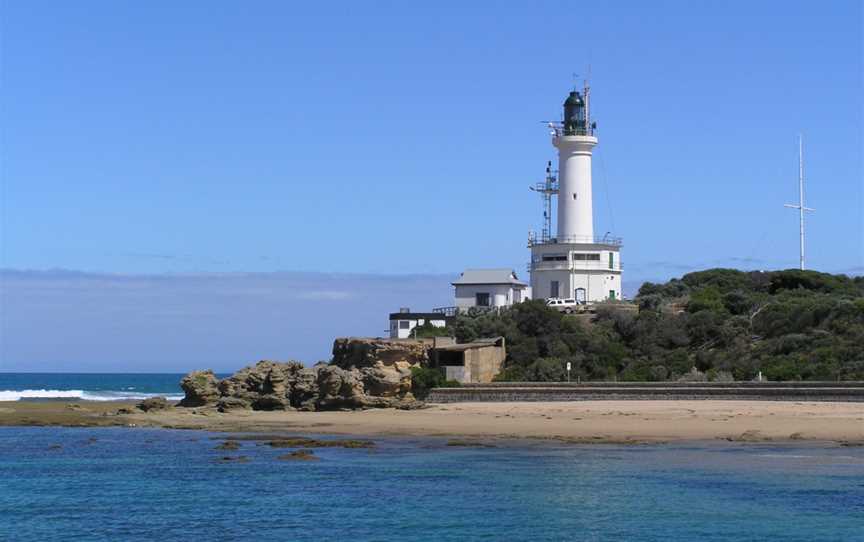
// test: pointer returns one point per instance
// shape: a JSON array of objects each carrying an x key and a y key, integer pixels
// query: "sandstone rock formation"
[
  {"x": 362, "y": 352},
  {"x": 200, "y": 388},
  {"x": 364, "y": 373}
]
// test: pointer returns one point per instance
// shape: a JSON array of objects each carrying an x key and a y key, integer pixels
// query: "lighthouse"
[
  {"x": 575, "y": 264},
  {"x": 575, "y": 143}
]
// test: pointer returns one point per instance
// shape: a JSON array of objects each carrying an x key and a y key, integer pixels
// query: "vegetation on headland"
[
  {"x": 728, "y": 324},
  {"x": 423, "y": 379}
]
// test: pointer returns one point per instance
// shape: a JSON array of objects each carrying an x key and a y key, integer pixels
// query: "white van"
[{"x": 567, "y": 305}]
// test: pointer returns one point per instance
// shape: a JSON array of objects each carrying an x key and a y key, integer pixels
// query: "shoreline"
[{"x": 606, "y": 421}]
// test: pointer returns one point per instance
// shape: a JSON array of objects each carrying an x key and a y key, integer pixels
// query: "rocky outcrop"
[
  {"x": 383, "y": 381},
  {"x": 357, "y": 352},
  {"x": 365, "y": 373},
  {"x": 200, "y": 387}
]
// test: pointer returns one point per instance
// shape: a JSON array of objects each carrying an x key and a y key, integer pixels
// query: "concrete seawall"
[{"x": 593, "y": 391}]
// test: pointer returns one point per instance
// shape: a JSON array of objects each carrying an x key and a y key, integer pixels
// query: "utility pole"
[{"x": 801, "y": 208}]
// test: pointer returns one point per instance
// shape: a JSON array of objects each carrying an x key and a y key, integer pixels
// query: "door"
[{"x": 580, "y": 296}]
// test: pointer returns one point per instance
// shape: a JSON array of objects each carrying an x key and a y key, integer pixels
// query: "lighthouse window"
[
  {"x": 554, "y": 257},
  {"x": 591, "y": 257},
  {"x": 574, "y": 195}
]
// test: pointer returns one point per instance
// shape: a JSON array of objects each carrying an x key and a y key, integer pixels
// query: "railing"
[
  {"x": 446, "y": 311},
  {"x": 604, "y": 240},
  {"x": 575, "y": 265},
  {"x": 560, "y": 129},
  {"x": 449, "y": 312}
]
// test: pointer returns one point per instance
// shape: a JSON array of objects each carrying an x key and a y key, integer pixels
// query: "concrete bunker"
[{"x": 478, "y": 361}]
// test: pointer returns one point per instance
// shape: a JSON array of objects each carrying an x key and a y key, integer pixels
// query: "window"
[
  {"x": 404, "y": 324},
  {"x": 553, "y": 289},
  {"x": 591, "y": 257},
  {"x": 554, "y": 257},
  {"x": 612, "y": 261},
  {"x": 482, "y": 299}
]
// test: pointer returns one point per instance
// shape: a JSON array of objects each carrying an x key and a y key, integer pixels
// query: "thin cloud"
[
  {"x": 325, "y": 295},
  {"x": 67, "y": 320}
]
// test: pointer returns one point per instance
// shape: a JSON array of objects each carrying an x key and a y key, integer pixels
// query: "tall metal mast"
[
  {"x": 801, "y": 208},
  {"x": 547, "y": 189}
]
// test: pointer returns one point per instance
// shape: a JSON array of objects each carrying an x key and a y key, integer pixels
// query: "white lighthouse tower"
[{"x": 575, "y": 264}]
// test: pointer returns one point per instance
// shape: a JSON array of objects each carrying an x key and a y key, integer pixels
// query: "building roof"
[
  {"x": 489, "y": 276},
  {"x": 417, "y": 316},
  {"x": 476, "y": 343}
]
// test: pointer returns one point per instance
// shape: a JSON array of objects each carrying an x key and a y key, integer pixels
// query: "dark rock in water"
[
  {"x": 299, "y": 455},
  {"x": 229, "y": 445},
  {"x": 233, "y": 459},
  {"x": 299, "y": 442},
  {"x": 153, "y": 403},
  {"x": 55, "y": 447},
  {"x": 469, "y": 444},
  {"x": 201, "y": 388},
  {"x": 304, "y": 442}
]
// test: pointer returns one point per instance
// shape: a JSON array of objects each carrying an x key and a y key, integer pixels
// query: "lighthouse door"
[{"x": 580, "y": 296}]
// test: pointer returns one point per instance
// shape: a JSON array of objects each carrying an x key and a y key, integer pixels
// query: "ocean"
[
  {"x": 136, "y": 484},
  {"x": 142, "y": 484},
  {"x": 88, "y": 386}
]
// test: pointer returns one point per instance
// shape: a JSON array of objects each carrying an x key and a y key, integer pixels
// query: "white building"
[
  {"x": 575, "y": 263},
  {"x": 489, "y": 288},
  {"x": 402, "y": 323}
]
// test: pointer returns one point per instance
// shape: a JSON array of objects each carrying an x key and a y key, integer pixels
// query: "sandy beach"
[{"x": 584, "y": 421}]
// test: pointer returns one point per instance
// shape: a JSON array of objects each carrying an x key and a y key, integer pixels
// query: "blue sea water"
[
  {"x": 131, "y": 484},
  {"x": 89, "y": 386}
]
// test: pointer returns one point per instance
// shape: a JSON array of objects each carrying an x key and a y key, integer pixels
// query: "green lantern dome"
[
  {"x": 575, "y": 121},
  {"x": 574, "y": 99}
]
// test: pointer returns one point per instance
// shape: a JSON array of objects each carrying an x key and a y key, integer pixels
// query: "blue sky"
[{"x": 200, "y": 139}]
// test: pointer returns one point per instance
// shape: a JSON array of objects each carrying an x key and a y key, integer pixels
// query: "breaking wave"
[{"x": 17, "y": 395}]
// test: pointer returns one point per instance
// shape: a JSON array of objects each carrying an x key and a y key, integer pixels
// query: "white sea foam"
[{"x": 17, "y": 395}]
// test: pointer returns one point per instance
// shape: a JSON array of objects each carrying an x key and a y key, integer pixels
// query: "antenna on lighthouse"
[
  {"x": 801, "y": 208},
  {"x": 587, "y": 92}
]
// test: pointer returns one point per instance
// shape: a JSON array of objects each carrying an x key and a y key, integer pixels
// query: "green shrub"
[
  {"x": 423, "y": 379},
  {"x": 427, "y": 331},
  {"x": 790, "y": 324}
]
